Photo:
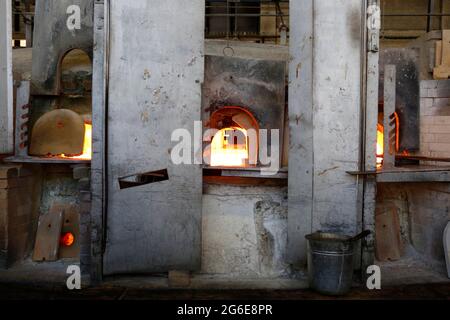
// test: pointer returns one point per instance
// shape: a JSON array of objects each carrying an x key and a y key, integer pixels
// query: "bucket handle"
[{"x": 363, "y": 234}]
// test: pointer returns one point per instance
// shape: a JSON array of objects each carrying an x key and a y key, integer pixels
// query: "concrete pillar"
[
  {"x": 6, "y": 81},
  {"x": 325, "y": 103},
  {"x": 301, "y": 129}
]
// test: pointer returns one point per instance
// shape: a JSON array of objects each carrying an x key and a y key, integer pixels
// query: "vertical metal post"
[
  {"x": 28, "y": 25},
  {"x": 431, "y": 6},
  {"x": 390, "y": 78},
  {"x": 371, "y": 79},
  {"x": 6, "y": 79},
  {"x": 98, "y": 163},
  {"x": 22, "y": 117}
]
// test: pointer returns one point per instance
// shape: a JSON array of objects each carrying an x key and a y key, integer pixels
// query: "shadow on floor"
[{"x": 105, "y": 292}]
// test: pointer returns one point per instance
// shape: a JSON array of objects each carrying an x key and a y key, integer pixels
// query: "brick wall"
[
  {"x": 435, "y": 119},
  {"x": 19, "y": 194}
]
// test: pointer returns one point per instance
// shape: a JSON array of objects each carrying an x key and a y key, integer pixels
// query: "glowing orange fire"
[
  {"x": 87, "y": 144},
  {"x": 380, "y": 140},
  {"x": 229, "y": 148},
  {"x": 67, "y": 239},
  {"x": 380, "y": 145}
]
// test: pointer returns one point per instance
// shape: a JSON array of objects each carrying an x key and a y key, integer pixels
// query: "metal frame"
[
  {"x": 301, "y": 184},
  {"x": 390, "y": 79},
  {"x": 22, "y": 116},
  {"x": 369, "y": 119}
]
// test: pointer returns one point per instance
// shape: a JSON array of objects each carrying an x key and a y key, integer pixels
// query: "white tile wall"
[{"x": 435, "y": 119}]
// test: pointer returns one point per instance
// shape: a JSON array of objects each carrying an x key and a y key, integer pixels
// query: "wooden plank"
[
  {"x": 442, "y": 71},
  {"x": 390, "y": 78},
  {"x": 388, "y": 240},
  {"x": 71, "y": 223},
  {"x": 438, "y": 55},
  {"x": 48, "y": 234},
  {"x": 446, "y": 48}
]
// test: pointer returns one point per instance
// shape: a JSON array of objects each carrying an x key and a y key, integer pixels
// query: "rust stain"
[
  {"x": 299, "y": 66},
  {"x": 146, "y": 75}
]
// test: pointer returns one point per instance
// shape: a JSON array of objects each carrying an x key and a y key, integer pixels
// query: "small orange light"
[{"x": 67, "y": 239}]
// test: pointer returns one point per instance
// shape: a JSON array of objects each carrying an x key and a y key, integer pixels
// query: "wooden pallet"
[
  {"x": 389, "y": 246},
  {"x": 48, "y": 234},
  {"x": 442, "y": 69}
]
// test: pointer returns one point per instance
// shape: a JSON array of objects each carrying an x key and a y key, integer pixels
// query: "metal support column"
[
  {"x": 99, "y": 102},
  {"x": 370, "y": 121}
]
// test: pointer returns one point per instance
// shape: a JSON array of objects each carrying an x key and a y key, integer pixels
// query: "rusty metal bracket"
[{"x": 137, "y": 180}]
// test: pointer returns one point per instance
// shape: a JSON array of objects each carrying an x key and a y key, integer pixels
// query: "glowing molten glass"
[
  {"x": 229, "y": 148},
  {"x": 67, "y": 239},
  {"x": 87, "y": 144},
  {"x": 380, "y": 145}
]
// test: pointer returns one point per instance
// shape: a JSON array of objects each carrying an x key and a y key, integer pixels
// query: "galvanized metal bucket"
[{"x": 330, "y": 262}]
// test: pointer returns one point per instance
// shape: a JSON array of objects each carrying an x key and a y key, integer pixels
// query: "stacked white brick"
[{"x": 435, "y": 120}]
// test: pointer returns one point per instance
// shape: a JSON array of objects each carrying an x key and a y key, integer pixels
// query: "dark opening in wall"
[{"x": 232, "y": 18}]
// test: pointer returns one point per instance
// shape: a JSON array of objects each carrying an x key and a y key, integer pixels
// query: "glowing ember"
[
  {"x": 87, "y": 144},
  {"x": 67, "y": 239},
  {"x": 229, "y": 148}
]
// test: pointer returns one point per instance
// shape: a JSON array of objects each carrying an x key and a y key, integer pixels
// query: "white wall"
[
  {"x": 244, "y": 231},
  {"x": 6, "y": 85}
]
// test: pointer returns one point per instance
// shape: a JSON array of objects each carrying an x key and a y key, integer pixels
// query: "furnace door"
[{"x": 156, "y": 69}]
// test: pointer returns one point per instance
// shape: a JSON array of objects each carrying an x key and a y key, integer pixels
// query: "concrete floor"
[
  {"x": 29, "y": 280},
  {"x": 410, "y": 271}
]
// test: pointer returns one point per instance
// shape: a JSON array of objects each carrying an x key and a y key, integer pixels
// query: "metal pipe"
[
  {"x": 415, "y": 15},
  {"x": 430, "y": 12},
  {"x": 256, "y": 15},
  {"x": 363, "y": 92}
]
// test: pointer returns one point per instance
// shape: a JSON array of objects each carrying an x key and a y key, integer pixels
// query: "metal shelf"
[
  {"x": 39, "y": 160},
  {"x": 410, "y": 174},
  {"x": 243, "y": 177}
]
